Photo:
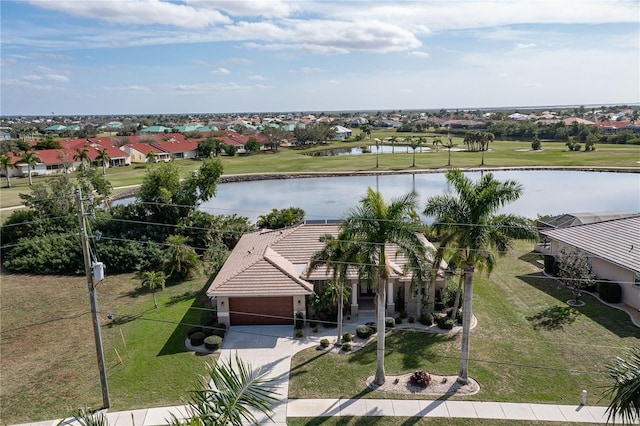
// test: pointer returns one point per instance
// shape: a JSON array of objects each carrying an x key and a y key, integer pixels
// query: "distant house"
[
  {"x": 155, "y": 129},
  {"x": 342, "y": 133},
  {"x": 266, "y": 279},
  {"x": 56, "y": 128},
  {"x": 613, "y": 248}
]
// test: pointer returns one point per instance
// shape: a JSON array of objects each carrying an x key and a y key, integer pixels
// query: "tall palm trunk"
[
  {"x": 340, "y": 313},
  {"x": 8, "y": 180},
  {"x": 381, "y": 293},
  {"x": 456, "y": 303},
  {"x": 30, "y": 181},
  {"x": 466, "y": 322}
]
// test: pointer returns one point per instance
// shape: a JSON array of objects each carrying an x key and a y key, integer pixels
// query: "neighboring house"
[
  {"x": 612, "y": 127},
  {"x": 342, "y": 133},
  {"x": 155, "y": 129},
  {"x": 177, "y": 148},
  {"x": 56, "y": 128},
  {"x": 265, "y": 281},
  {"x": 613, "y": 247},
  {"x": 138, "y": 152}
]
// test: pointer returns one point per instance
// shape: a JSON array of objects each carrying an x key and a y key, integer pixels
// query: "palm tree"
[
  {"x": 393, "y": 140},
  {"x": 31, "y": 159},
  {"x": 436, "y": 142},
  {"x": 414, "y": 144},
  {"x": 82, "y": 155},
  {"x": 153, "y": 280},
  {"x": 6, "y": 164},
  {"x": 337, "y": 254},
  {"x": 180, "y": 260},
  {"x": 103, "y": 157},
  {"x": 230, "y": 395},
  {"x": 449, "y": 145},
  {"x": 151, "y": 156},
  {"x": 485, "y": 139},
  {"x": 626, "y": 390},
  {"x": 468, "y": 225},
  {"x": 372, "y": 225}
]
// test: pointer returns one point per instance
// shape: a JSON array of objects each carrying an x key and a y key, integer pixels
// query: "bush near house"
[
  {"x": 444, "y": 323},
  {"x": 426, "y": 319},
  {"x": 197, "y": 338},
  {"x": 364, "y": 331},
  {"x": 213, "y": 343},
  {"x": 609, "y": 291}
]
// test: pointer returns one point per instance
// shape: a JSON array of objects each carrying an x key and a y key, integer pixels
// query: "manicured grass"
[
  {"x": 511, "y": 358},
  {"x": 49, "y": 365}
]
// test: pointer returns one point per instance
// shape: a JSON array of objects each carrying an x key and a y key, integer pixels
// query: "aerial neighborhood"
[{"x": 136, "y": 139}]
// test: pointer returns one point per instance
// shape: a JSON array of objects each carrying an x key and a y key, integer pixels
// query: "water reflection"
[{"x": 545, "y": 192}]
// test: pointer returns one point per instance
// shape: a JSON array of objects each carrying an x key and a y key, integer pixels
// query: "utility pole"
[{"x": 88, "y": 269}]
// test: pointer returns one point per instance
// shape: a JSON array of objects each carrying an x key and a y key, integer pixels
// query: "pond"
[
  {"x": 372, "y": 149},
  {"x": 328, "y": 198}
]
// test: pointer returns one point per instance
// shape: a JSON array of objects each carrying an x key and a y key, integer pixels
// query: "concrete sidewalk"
[{"x": 562, "y": 414}]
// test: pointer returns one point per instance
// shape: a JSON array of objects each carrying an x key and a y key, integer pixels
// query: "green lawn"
[
  {"x": 49, "y": 364},
  {"x": 512, "y": 358}
]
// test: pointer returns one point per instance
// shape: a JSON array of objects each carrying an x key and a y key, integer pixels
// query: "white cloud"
[
  {"x": 139, "y": 12},
  {"x": 306, "y": 70},
  {"x": 268, "y": 9},
  {"x": 222, "y": 71},
  {"x": 38, "y": 55},
  {"x": 5, "y": 62},
  {"x": 520, "y": 46},
  {"x": 256, "y": 77},
  {"x": 418, "y": 54}
]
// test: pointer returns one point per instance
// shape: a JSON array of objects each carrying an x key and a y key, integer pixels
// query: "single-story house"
[
  {"x": 266, "y": 279},
  {"x": 613, "y": 247},
  {"x": 342, "y": 133}
]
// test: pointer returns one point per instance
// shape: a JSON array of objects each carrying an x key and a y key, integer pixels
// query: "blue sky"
[{"x": 181, "y": 56}]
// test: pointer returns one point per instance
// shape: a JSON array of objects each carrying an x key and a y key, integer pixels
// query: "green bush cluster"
[
  {"x": 299, "y": 321},
  {"x": 197, "y": 338},
  {"x": 364, "y": 331},
  {"x": 324, "y": 343},
  {"x": 191, "y": 330},
  {"x": 218, "y": 329},
  {"x": 346, "y": 347},
  {"x": 299, "y": 332},
  {"x": 444, "y": 323},
  {"x": 347, "y": 337},
  {"x": 458, "y": 314},
  {"x": 609, "y": 291},
  {"x": 426, "y": 319},
  {"x": 412, "y": 320},
  {"x": 213, "y": 343},
  {"x": 372, "y": 325}
]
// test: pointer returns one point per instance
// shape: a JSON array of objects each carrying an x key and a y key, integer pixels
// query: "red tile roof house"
[
  {"x": 264, "y": 280},
  {"x": 166, "y": 147}
]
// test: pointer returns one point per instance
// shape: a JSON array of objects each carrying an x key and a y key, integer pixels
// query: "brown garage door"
[{"x": 261, "y": 310}]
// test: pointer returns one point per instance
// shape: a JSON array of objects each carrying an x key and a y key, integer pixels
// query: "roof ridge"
[{"x": 302, "y": 283}]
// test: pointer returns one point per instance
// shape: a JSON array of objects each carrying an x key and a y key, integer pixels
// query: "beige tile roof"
[
  {"x": 273, "y": 262},
  {"x": 616, "y": 241}
]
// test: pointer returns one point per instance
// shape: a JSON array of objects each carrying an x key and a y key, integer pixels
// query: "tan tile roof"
[
  {"x": 616, "y": 241},
  {"x": 273, "y": 262}
]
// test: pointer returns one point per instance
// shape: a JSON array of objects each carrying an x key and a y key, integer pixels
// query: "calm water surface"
[{"x": 327, "y": 198}]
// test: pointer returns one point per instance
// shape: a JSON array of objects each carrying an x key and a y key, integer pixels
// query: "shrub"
[
  {"x": 299, "y": 332},
  {"x": 372, "y": 325},
  {"x": 315, "y": 329},
  {"x": 299, "y": 321},
  {"x": 399, "y": 320},
  {"x": 364, "y": 331},
  {"x": 609, "y": 291},
  {"x": 444, "y": 323},
  {"x": 346, "y": 347},
  {"x": 313, "y": 324},
  {"x": 412, "y": 320},
  {"x": 403, "y": 314},
  {"x": 458, "y": 314},
  {"x": 197, "y": 338},
  {"x": 324, "y": 343},
  {"x": 347, "y": 337},
  {"x": 213, "y": 343},
  {"x": 550, "y": 266},
  {"x": 215, "y": 331},
  {"x": 192, "y": 330},
  {"x": 426, "y": 319},
  {"x": 389, "y": 322},
  {"x": 420, "y": 378}
]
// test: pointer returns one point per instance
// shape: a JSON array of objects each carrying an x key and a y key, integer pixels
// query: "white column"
[
  {"x": 354, "y": 299},
  {"x": 391, "y": 306}
]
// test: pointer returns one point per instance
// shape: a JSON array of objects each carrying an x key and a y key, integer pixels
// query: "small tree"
[
  {"x": 282, "y": 218},
  {"x": 535, "y": 144},
  {"x": 574, "y": 272},
  {"x": 152, "y": 280},
  {"x": 31, "y": 159},
  {"x": 151, "y": 156},
  {"x": 252, "y": 146}
]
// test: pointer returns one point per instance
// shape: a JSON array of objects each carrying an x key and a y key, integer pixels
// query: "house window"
[{"x": 637, "y": 279}]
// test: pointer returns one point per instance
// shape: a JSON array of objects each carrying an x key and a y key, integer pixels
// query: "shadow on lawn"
[
  {"x": 192, "y": 318},
  {"x": 612, "y": 319}
]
